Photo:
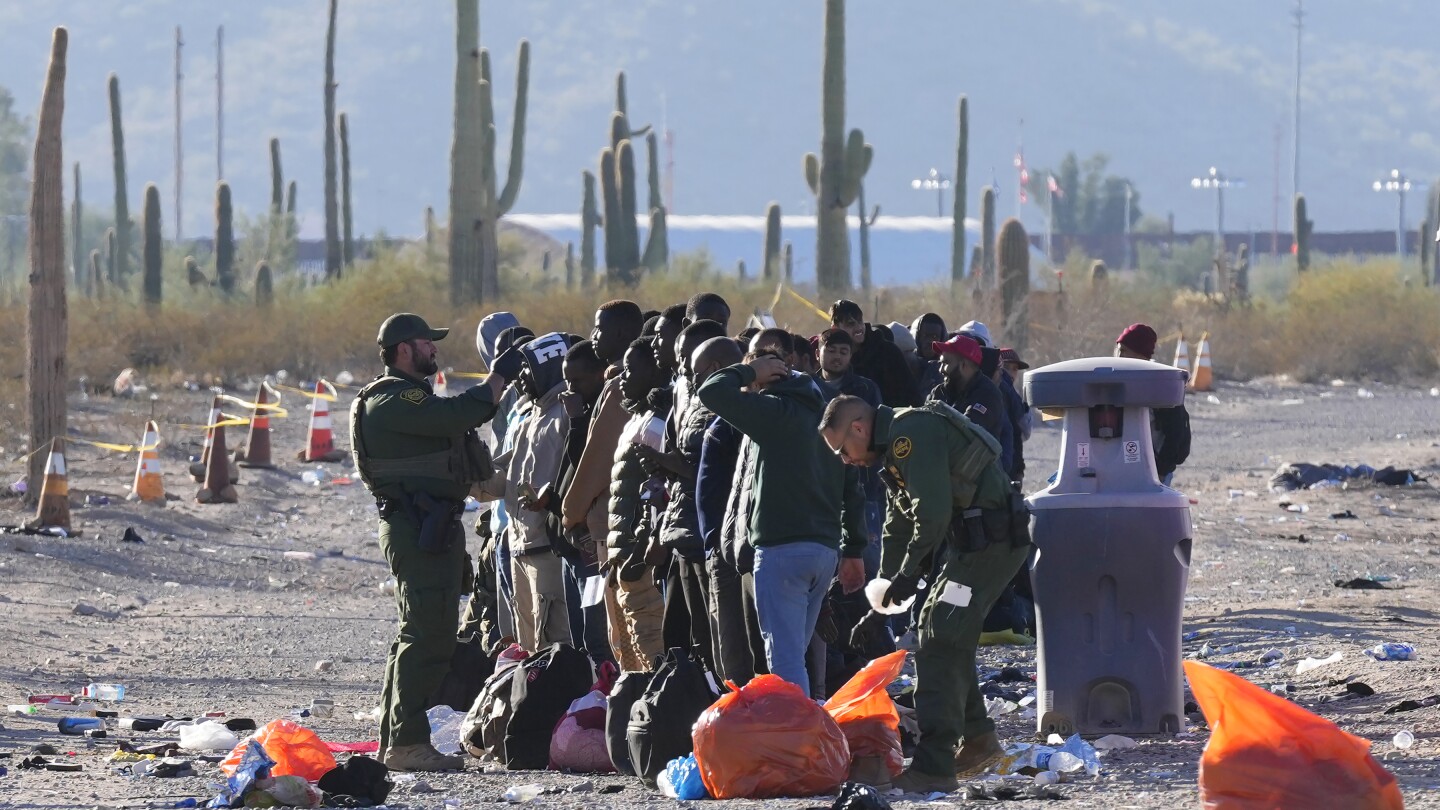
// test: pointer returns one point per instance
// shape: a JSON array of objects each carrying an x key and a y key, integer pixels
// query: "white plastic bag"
[{"x": 207, "y": 737}]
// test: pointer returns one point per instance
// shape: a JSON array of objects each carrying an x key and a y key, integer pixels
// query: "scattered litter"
[
  {"x": 1294, "y": 401},
  {"x": 131, "y": 536},
  {"x": 1359, "y": 689},
  {"x": 521, "y": 794},
  {"x": 1315, "y": 663},
  {"x": 855, "y": 796},
  {"x": 300, "y": 555},
  {"x": 84, "y": 609},
  {"x": 1412, "y": 705},
  {"x": 1346, "y": 515},
  {"x": 1212, "y": 399},
  {"x": 1359, "y": 583},
  {"x": 1271, "y": 654},
  {"x": 681, "y": 780},
  {"x": 324, "y": 666},
  {"x": 1392, "y": 651},
  {"x": 1290, "y": 477},
  {"x": 1404, "y": 740},
  {"x": 1114, "y": 742},
  {"x": 207, "y": 736},
  {"x": 1001, "y": 792},
  {"x": 445, "y": 729}
]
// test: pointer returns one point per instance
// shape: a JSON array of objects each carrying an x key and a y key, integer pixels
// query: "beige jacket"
[{"x": 588, "y": 499}]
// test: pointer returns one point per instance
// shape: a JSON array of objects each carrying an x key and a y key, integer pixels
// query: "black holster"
[
  {"x": 970, "y": 531},
  {"x": 439, "y": 522}
]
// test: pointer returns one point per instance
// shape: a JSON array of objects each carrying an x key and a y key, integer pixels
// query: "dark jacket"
[
  {"x": 803, "y": 492},
  {"x": 1015, "y": 411},
  {"x": 629, "y": 531},
  {"x": 714, "y": 480},
  {"x": 929, "y": 377},
  {"x": 681, "y": 526},
  {"x": 982, "y": 402},
  {"x": 879, "y": 359},
  {"x": 851, "y": 385},
  {"x": 1170, "y": 431}
]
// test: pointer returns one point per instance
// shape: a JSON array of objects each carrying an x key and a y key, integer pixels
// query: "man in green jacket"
[
  {"x": 805, "y": 503},
  {"x": 418, "y": 456},
  {"x": 948, "y": 496}
]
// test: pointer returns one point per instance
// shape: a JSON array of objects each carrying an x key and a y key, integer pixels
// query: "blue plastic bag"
[
  {"x": 254, "y": 765},
  {"x": 681, "y": 780}
]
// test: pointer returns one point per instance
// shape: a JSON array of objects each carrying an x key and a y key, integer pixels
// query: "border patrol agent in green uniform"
[
  {"x": 947, "y": 496},
  {"x": 418, "y": 455}
]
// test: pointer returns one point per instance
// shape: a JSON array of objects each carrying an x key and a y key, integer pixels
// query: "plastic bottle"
[
  {"x": 1392, "y": 651},
  {"x": 104, "y": 691},
  {"x": 23, "y": 708},
  {"x": 78, "y": 725}
]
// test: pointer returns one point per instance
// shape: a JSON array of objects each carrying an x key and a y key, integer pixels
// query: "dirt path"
[{"x": 209, "y": 614}]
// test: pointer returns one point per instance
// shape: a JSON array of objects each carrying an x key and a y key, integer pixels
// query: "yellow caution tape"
[
  {"x": 254, "y": 406},
  {"x": 328, "y": 397},
  {"x": 119, "y": 448},
  {"x": 822, "y": 314},
  {"x": 469, "y": 375}
]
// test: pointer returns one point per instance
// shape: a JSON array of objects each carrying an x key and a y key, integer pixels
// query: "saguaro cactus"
[
  {"x": 772, "y": 269},
  {"x": 834, "y": 176},
  {"x": 152, "y": 248},
  {"x": 589, "y": 219},
  {"x": 987, "y": 238},
  {"x": 264, "y": 285},
  {"x": 619, "y": 194},
  {"x": 957, "y": 228},
  {"x": 121, "y": 255},
  {"x": 497, "y": 201},
  {"x": 348, "y": 244},
  {"x": 865, "y": 223},
  {"x": 46, "y": 317},
  {"x": 569, "y": 265},
  {"x": 77, "y": 239},
  {"x": 276, "y": 233},
  {"x": 1015, "y": 281},
  {"x": 97, "y": 275},
  {"x": 111, "y": 248},
  {"x": 224, "y": 238},
  {"x": 1242, "y": 273},
  {"x": 333, "y": 255},
  {"x": 1304, "y": 226},
  {"x": 657, "y": 242}
]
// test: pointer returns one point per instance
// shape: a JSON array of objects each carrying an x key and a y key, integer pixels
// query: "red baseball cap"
[
  {"x": 963, "y": 345},
  {"x": 1139, "y": 338}
]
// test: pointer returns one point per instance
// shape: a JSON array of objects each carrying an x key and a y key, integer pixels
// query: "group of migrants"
[{"x": 674, "y": 482}]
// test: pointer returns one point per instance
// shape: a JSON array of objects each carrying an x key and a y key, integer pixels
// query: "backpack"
[
  {"x": 483, "y": 728},
  {"x": 661, "y": 720},
  {"x": 623, "y": 696},
  {"x": 540, "y": 693},
  {"x": 578, "y": 743},
  {"x": 470, "y": 667}
]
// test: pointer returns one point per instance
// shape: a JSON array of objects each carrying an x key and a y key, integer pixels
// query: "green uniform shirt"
[
  {"x": 923, "y": 451},
  {"x": 404, "y": 418}
]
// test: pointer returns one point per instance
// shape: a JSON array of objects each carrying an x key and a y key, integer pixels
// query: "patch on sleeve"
[
  {"x": 414, "y": 396},
  {"x": 901, "y": 447},
  {"x": 978, "y": 408}
]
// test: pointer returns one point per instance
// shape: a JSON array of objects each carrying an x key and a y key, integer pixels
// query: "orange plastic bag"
[
  {"x": 1266, "y": 753},
  {"x": 769, "y": 740},
  {"x": 867, "y": 715},
  {"x": 297, "y": 751}
]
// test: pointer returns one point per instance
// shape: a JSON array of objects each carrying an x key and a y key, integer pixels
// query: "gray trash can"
[{"x": 1112, "y": 554}]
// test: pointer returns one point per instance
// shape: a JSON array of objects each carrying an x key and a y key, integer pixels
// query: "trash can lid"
[{"x": 1116, "y": 381}]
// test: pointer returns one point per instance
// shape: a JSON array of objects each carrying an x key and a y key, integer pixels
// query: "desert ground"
[{"x": 210, "y": 614}]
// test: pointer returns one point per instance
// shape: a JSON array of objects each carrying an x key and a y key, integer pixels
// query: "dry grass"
[{"x": 1348, "y": 319}]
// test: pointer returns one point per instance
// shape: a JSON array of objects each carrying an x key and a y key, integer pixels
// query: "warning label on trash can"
[{"x": 1132, "y": 452}]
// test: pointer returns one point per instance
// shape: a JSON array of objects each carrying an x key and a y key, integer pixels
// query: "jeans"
[{"x": 790, "y": 585}]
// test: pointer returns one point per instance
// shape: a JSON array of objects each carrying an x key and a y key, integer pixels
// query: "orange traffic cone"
[
  {"x": 149, "y": 487},
  {"x": 217, "y": 487},
  {"x": 257, "y": 448},
  {"x": 197, "y": 469},
  {"x": 54, "y": 510},
  {"x": 441, "y": 386},
  {"x": 1182, "y": 354},
  {"x": 321, "y": 443},
  {"x": 1202, "y": 378}
]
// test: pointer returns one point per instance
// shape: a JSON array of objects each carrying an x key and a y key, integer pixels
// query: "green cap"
[{"x": 403, "y": 326}]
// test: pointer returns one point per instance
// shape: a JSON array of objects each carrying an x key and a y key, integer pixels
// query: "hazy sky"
[{"x": 1166, "y": 87}]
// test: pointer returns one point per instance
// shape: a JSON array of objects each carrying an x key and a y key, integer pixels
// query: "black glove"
[
  {"x": 509, "y": 363},
  {"x": 866, "y": 630},
  {"x": 902, "y": 587}
]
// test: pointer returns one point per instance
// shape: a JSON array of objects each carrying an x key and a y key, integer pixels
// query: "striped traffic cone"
[
  {"x": 149, "y": 486},
  {"x": 257, "y": 447},
  {"x": 1203, "y": 377},
  {"x": 441, "y": 386},
  {"x": 218, "y": 487},
  {"x": 197, "y": 469},
  {"x": 1182, "y": 354},
  {"x": 320, "y": 446},
  {"x": 54, "y": 509}
]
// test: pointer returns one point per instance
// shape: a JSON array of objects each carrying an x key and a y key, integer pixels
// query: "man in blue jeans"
[{"x": 806, "y": 502}]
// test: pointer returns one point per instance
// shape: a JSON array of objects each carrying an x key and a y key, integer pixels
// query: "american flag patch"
[{"x": 978, "y": 408}]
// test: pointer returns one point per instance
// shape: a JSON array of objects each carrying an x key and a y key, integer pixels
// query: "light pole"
[
  {"x": 1217, "y": 180},
  {"x": 1398, "y": 183},
  {"x": 934, "y": 181},
  {"x": 1129, "y": 193}
]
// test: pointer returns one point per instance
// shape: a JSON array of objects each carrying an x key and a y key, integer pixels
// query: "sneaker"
[
  {"x": 978, "y": 755},
  {"x": 421, "y": 757},
  {"x": 913, "y": 781}
]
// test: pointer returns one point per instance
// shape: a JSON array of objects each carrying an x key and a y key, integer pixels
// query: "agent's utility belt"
[{"x": 977, "y": 529}]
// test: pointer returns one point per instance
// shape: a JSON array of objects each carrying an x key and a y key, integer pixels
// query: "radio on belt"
[{"x": 1112, "y": 554}]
